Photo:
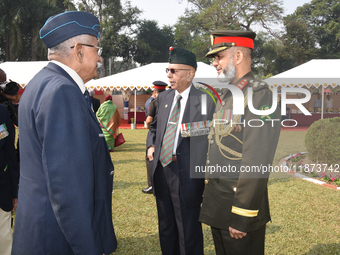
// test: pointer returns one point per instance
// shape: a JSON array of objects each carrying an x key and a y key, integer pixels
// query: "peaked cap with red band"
[
  {"x": 159, "y": 85},
  {"x": 225, "y": 39}
]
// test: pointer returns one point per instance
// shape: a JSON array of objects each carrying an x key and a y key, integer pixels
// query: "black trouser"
[
  {"x": 251, "y": 244},
  {"x": 180, "y": 232},
  {"x": 148, "y": 169}
]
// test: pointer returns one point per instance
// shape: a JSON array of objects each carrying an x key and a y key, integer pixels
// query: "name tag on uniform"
[
  {"x": 101, "y": 135},
  {"x": 3, "y": 131},
  {"x": 195, "y": 128}
]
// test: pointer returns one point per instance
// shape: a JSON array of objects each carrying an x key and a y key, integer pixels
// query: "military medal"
[
  {"x": 195, "y": 128},
  {"x": 3, "y": 131}
]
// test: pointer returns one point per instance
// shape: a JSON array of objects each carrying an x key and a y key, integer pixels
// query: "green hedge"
[{"x": 323, "y": 141}]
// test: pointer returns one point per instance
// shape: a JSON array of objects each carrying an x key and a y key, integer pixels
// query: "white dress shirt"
[{"x": 184, "y": 100}]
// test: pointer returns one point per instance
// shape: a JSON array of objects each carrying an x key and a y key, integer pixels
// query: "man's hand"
[
  {"x": 15, "y": 202},
  {"x": 151, "y": 150},
  {"x": 236, "y": 234}
]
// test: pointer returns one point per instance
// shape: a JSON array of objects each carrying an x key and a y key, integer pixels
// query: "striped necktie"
[{"x": 170, "y": 133}]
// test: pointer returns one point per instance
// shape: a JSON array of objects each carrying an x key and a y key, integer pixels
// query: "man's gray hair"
[{"x": 63, "y": 49}]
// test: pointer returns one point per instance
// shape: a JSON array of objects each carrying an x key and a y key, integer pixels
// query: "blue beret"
[
  {"x": 66, "y": 25},
  {"x": 181, "y": 56}
]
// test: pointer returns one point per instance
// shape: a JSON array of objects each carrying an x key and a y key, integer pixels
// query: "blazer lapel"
[{"x": 164, "y": 110}]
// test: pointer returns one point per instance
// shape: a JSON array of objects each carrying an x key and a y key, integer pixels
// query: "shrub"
[{"x": 323, "y": 141}]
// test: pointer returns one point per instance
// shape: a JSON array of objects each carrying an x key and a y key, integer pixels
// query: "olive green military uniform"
[{"x": 233, "y": 198}]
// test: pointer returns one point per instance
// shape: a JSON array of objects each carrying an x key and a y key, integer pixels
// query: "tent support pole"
[
  {"x": 135, "y": 108},
  {"x": 322, "y": 101}
]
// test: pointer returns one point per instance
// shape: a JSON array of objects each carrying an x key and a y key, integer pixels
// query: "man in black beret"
[
  {"x": 178, "y": 196},
  {"x": 150, "y": 111},
  {"x": 64, "y": 202},
  {"x": 235, "y": 202}
]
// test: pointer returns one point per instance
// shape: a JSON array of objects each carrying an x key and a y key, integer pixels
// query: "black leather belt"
[{"x": 174, "y": 158}]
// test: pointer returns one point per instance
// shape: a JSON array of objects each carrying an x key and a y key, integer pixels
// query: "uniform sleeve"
[
  {"x": 259, "y": 146},
  {"x": 152, "y": 109},
  {"x": 64, "y": 130},
  {"x": 151, "y": 138}
]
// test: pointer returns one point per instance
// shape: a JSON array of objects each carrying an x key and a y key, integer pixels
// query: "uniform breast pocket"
[{"x": 227, "y": 185}]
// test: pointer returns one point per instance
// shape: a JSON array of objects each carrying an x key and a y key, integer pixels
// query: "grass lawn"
[{"x": 305, "y": 216}]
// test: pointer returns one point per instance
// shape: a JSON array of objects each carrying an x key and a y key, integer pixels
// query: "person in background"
[
  {"x": 109, "y": 119},
  {"x": 95, "y": 101},
  {"x": 9, "y": 179},
  {"x": 329, "y": 103},
  {"x": 147, "y": 103},
  {"x": 317, "y": 103},
  {"x": 10, "y": 98},
  {"x": 66, "y": 175},
  {"x": 159, "y": 87}
]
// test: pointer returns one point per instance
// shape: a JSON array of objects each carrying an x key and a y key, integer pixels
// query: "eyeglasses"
[
  {"x": 99, "y": 49},
  {"x": 172, "y": 70}
]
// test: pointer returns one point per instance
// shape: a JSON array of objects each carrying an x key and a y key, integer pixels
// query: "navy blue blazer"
[
  {"x": 65, "y": 193},
  {"x": 190, "y": 151},
  {"x": 9, "y": 171}
]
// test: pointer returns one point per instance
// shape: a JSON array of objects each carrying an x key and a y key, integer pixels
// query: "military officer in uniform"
[{"x": 235, "y": 202}]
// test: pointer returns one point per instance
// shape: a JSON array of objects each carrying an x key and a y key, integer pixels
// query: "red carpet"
[{"x": 126, "y": 125}]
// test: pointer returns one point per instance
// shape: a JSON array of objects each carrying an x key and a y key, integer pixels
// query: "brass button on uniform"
[{"x": 206, "y": 181}]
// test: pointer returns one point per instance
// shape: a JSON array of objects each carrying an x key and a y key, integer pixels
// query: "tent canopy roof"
[
  {"x": 22, "y": 72},
  {"x": 143, "y": 77},
  {"x": 315, "y": 72}
]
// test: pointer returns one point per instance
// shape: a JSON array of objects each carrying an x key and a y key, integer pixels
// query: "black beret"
[
  {"x": 66, "y": 25},
  {"x": 181, "y": 56},
  {"x": 224, "y": 39}
]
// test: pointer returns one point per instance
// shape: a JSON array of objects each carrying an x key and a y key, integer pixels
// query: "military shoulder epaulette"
[{"x": 259, "y": 85}]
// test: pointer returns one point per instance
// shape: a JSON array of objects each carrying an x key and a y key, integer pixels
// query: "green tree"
[
  {"x": 299, "y": 40},
  {"x": 193, "y": 28},
  {"x": 117, "y": 29},
  {"x": 321, "y": 19},
  {"x": 153, "y": 43},
  {"x": 270, "y": 56},
  {"x": 20, "y": 22}
]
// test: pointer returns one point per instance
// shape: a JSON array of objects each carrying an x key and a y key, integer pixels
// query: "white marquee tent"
[
  {"x": 143, "y": 77},
  {"x": 22, "y": 72},
  {"x": 312, "y": 74},
  {"x": 315, "y": 72}
]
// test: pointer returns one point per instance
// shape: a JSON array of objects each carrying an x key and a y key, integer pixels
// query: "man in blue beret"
[
  {"x": 64, "y": 201},
  {"x": 173, "y": 157}
]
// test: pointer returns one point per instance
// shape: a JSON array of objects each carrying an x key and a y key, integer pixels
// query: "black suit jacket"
[
  {"x": 190, "y": 151},
  {"x": 8, "y": 161},
  {"x": 95, "y": 104}
]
